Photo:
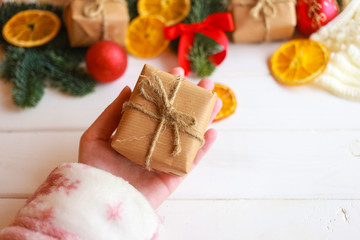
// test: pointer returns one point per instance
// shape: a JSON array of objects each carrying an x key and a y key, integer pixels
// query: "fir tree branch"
[
  {"x": 28, "y": 84},
  {"x": 55, "y": 63},
  {"x": 203, "y": 46},
  {"x": 132, "y": 6}
]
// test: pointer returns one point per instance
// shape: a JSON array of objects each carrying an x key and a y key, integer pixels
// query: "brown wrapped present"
[
  {"x": 263, "y": 20},
  {"x": 89, "y": 21},
  {"x": 164, "y": 121}
]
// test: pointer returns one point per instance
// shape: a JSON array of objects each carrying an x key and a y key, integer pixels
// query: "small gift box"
[
  {"x": 164, "y": 121},
  {"x": 90, "y": 21},
  {"x": 263, "y": 20}
]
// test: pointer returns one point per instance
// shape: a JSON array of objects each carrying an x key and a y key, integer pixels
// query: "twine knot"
[
  {"x": 92, "y": 9},
  {"x": 154, "y": 92},
  {"x": 266, "y": 6}
]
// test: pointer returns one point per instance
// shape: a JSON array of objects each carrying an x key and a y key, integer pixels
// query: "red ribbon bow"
[{"x": 213, "y": 27}]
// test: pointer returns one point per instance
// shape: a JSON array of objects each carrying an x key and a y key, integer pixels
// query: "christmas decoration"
[
  {"x": 90, "y": 21},
  {"x": 55, "y": 64},
  {"x": 172, "y": 11},
  {"x": 165, "y": 109},
  {"x": 31, "y": 28},
  {"x": 106, "y": 61},
  {"x": 132, "y": 6},
  {"x": 203, "y": 47},
  {"x": 145, "y": 37},
  {"x": 312, "y": 14},
  {"x": 299, "y": 61},
  {"x": 212, "y": 27},
  {"x": 228, "y": 99},
  {"x": 341, "y": 36},
  {"x": 263, "y": 20}
]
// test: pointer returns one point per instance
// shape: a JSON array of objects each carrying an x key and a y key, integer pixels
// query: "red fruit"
[
  {"x": 312, "y": 14},
  {"x": 106, "y": 61}
]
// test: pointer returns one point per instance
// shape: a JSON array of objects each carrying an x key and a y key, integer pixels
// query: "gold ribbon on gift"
[
  {"x": 95, "y": 8},
  {"x": 167, "y": 114}
]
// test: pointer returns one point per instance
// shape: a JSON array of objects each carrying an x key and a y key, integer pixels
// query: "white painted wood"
[
  {"x": 246, "y": 219},
  {"x": 281, "y": 143},
  {"x": 8, "y": 210},
  {"x": 241, "y": 164},
  {"x": 261, "y": 220},
  {"x": 27, "y": 158},
  {"x": 262, "y": 103}
]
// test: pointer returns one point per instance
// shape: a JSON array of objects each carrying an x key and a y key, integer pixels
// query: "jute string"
[
  {"x": 95, "y": 8},
  {"x": 154, "y": 92}
]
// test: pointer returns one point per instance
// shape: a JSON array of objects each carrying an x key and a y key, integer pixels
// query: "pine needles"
[
  {"x": 203, "y": 46},
  {"x": 55, "y": 64}
]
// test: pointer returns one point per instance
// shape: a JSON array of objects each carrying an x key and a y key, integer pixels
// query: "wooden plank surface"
[
  {"x": 246, "y": 219},
  {"x": 262, "y": 103},
  {"x": 284, "y": 165},
  {"x": 242, "y": 164}
]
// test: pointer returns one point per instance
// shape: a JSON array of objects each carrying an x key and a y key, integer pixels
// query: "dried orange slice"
[
  {"x": 299, "y": 61},
  {"x": 145, "y": 37},
  {"x": 173, "y": 11},
  {"x": 31, "y": 28},
  {"x": 228, "y": 99}
]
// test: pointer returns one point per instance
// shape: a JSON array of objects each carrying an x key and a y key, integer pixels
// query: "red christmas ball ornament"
[
  {"x": 312, "y": 14},
  {"x": 106, "y": 61}
]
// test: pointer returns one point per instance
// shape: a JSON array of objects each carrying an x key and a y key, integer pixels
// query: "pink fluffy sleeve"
[{"x": 79, "y": 202}]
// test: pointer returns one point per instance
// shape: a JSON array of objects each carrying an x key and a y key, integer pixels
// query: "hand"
[{"x": 95, "y": 150}]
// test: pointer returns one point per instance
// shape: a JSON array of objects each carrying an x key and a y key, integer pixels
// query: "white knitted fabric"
[
  {"x": 342, "y": 37},
  {"x": 79, "y": 202}
]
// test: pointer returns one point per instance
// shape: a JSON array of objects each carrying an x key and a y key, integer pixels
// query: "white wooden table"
[{"x": 286, "y": 165}]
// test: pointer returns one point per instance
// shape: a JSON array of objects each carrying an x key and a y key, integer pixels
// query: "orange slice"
[
  {"x": 145, "y": 37},
  {"x": 31, "y": 28},
  {"x": 228, "y": 99},
  {"x": 299, "y": 61},
  {"x": 173, "y": 11}
]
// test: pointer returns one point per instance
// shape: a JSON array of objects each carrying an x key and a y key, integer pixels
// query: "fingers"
[
  {"x": 216, "y": 110},
  {"x": 207, "y": 84},
  {"x": 210, "y": 137},
  {"x": 177, "y": 71},
  {"x": 106, "y": 123}
]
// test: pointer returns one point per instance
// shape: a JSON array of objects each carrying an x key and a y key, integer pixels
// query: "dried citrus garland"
[
  {"x": 173, "y": 11},
  {"x": 31, "y": 28},
  {"x": 145, "y": 37},
  {"x": 299, "y": 61},
  {"x": 228, "y": 99}
]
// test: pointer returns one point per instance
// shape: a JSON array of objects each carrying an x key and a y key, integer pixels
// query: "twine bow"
[
  {"x": 155, "y": 93},
  {"x": 266, "y": 6},
  {"x": 95, "y": 8}
]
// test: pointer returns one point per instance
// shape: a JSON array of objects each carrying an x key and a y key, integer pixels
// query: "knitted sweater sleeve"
[{"x": 79, "y": 202}]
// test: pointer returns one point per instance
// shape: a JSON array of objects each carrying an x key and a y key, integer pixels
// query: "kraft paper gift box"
[
  {"x": 263, "y": 20},
  {"x": 160, "y": 106},
  {"x": 88, "y": 22}
]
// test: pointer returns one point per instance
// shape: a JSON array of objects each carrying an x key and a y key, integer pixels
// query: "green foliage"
[
  {"x": 55, "y": 64},
  {"x": 200, "y": 9},
  {"x": 203, "y": 46},
  {"x": 132, "y": 6}
]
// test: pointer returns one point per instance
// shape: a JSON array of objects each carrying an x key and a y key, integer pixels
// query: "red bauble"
[
  {"x": 106, "y": 61},
  {"x": 312, "y": 14}
]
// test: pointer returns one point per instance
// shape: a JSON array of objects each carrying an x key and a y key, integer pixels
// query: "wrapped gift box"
[
  {"x": 138, "y": 127},
  {"x": 86, "y": 27},
  {"x": 263, "y": 20}
]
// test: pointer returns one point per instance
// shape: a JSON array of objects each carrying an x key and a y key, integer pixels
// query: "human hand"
[{"x": 95, "y": 150}]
